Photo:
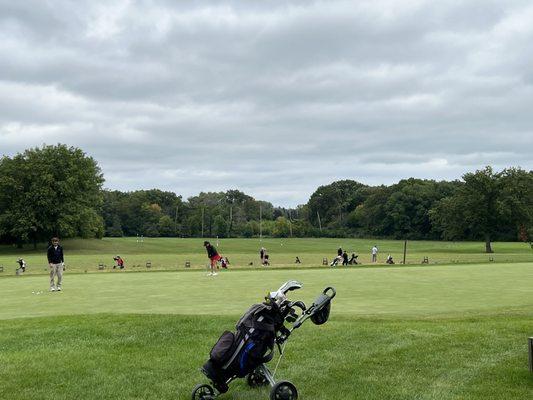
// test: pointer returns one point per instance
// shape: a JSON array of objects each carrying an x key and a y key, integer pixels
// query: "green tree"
[
  {"x": 487, "y": 205},
  {"x": 281, "y": 227},
  {"x": 166, "y": 226},
  {"x": 370, "y": 216},
  {"x": 142, "y": 209},
  {"x": 331, "y": 203},
  {"x": 220, "y": 227},
  {"x": 517, "y": 201},
  {"x": 115, "y": 230},
  {"x": 250, "y": 229},
  {"x": 52, "y": 190}
]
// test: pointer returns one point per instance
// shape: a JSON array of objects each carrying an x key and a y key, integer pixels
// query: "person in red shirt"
[
  {"x": 120, "y": 262},
  {"x": 213, "y": 255}
]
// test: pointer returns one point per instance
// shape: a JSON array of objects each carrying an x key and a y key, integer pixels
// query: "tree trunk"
[{"x": 488, "y": 246}]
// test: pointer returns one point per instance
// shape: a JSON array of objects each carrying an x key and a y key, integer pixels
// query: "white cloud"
[{"x": 272, "y": 98}]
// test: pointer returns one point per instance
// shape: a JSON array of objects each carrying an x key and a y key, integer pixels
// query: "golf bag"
[
  {"x": 246, "y": 352},
  {"x": 237, "y": 354}
]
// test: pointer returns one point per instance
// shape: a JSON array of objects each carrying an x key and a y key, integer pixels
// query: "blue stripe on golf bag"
[{"x": 244, "y": 355}]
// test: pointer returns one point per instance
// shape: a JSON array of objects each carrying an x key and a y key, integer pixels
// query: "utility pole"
[
  {"x": 319, "y": 223},
  {"x": 260, "y": 222},
  {"x": 202, "y": 221},
  {"x": 290, "y": 223},
  {"x": 230, "y": 218},
  {"x": 404, "y": 250},
  {"x": 176, "y": 222}
]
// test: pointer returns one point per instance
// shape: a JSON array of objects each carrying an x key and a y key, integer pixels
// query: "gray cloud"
[{"x": 273, "y": 98}]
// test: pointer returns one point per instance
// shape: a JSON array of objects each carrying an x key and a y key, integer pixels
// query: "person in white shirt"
[{"x": 374, "y": 254}]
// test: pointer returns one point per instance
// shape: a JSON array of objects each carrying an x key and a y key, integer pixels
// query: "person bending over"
[
  {"x": 22, "y": 264},
  {"x": 337, "y": 259},
  {"x": 353, "y": 259}
]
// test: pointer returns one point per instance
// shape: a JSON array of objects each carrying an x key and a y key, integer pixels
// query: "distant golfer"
[
  {"x": 353, "y": 259},
  {"x": 213, "y": 255},
  {"x": 374, "y": 254},
  {"x": 120, "y": 262},
  {"x": 262, "y": 254},
  {"x": 56, "y": 262},
  {"x": 337, "y": 259},
  {"x": 22, "y": 265}
]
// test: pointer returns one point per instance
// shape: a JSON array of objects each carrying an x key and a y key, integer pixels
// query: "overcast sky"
[{"x": 273, "y": 98}]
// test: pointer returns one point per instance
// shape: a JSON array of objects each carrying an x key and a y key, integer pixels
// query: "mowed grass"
[
  {"x": 387, "y": 291},
  {"x": 443, "y": 332},
  {"x": 173, "y": 253},
  {"x": 157, "y": 357}
]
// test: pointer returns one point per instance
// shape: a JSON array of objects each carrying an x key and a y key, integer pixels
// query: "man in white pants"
[{"x": 56, "y": 263}]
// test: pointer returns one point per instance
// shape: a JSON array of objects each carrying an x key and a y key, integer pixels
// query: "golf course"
[
  {"x": 84, "y": 255},
  {"x": 445, "y": 330},
  {"x": 283, "y": 200}
]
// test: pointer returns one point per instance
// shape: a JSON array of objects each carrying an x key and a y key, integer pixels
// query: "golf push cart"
[{"x": 246, "y": 352}]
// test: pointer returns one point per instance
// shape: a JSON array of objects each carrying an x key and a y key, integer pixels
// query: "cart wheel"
[
  {"x": 256, "y": 379},
  {"x": 203, "y": 391},
  {"x": 283, "y": 390}
]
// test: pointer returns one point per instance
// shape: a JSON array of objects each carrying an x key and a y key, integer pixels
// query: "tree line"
[{"x": 58, "y": 190}]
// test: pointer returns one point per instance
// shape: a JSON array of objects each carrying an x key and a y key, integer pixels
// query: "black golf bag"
[
  {"x": 237, "y": 354},
  {"x": 246, "y": 352}
]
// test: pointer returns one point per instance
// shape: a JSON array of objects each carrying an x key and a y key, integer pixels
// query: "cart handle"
[{"x": 333, "y": 291}]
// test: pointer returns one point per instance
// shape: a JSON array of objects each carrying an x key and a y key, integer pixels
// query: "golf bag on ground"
[
  {"x": 245, "y": 352},
  {"x": 238, "y": 354}
]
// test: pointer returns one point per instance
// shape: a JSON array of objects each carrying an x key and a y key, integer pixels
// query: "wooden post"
[
  {"x": 530, "y": 347},
  {"x": 404, "y": 250}
]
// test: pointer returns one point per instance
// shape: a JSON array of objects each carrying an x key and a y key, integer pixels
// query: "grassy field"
[
  {"x": 172, "y": 253},
  {"x": 440, "y": 332}
]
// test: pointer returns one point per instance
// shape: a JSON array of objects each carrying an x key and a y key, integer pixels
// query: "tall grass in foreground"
[{"x": 157, "y": 357}]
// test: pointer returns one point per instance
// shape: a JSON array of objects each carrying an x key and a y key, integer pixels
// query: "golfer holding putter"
[
  {"x": 56, "y": 263},
  {"x": 213, "y": 255}
]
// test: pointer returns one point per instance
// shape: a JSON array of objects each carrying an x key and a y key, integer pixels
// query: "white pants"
[{"x": 56, "y": 270}]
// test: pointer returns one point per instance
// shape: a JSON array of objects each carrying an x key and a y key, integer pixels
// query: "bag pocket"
[{"x": 222, "y": 349}]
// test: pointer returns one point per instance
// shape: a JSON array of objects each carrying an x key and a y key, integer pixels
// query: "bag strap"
[{"x": 239, "y": 348}]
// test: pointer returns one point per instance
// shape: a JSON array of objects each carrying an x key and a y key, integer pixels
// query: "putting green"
[
  {"x": 396, "y": 333},
  {"x": 395, "y": 291}
]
